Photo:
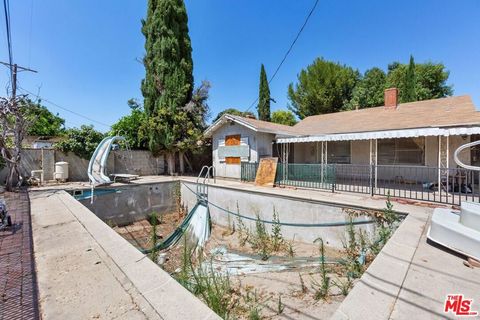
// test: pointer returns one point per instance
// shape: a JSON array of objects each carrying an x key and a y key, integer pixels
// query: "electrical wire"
[
  {"x": 30, "y": 34},
  {"x": 6, "y": 9},
  {"x": 65, "y": 109},
  {"x": 289, "y": 49}
]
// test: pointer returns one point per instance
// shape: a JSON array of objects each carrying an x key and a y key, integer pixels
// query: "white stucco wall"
[{"x": 260, "y": 146}]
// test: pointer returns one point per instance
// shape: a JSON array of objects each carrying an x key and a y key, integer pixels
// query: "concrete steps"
[{"x": 457, "y": 231}]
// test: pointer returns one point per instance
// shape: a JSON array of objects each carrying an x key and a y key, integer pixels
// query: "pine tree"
[
  {"x": 409, "y": 94},
  {"x": 263, "y": 107},
  {"x": 168, "y": 83}
]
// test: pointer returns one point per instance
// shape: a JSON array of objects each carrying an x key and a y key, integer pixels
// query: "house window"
[
  {"x": 338, "y": 152},
  {"x": 404, "y": 151},
  {"x": 475, "y": 151},
  {"x": 233, "y": 140}
]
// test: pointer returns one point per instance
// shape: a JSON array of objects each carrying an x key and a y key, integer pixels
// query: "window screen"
[
  {"x": 406, "y": 151},
  {"x": 338, "y": 152}
]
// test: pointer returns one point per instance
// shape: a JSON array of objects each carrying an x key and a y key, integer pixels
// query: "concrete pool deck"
[
  {"x": 87, "y": 271},
  {"x": 409, "y": 279}
]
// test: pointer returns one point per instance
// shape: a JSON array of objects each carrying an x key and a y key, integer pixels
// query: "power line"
[
  {"x": 30, "y": 34},
  {"x": 6, "y": 9},
  {"x": 289, "y": 49},
  {"x": 66, "y": 109}
]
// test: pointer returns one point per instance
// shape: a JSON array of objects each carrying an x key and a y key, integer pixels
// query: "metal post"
[
  {"x": 373, "y": 166},
  {"x": 443, "y": 155}
]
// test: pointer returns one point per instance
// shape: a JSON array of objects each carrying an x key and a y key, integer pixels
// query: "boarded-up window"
[
  {"x": 407, "y": 151},
  {"x": 233, "y": 140}
]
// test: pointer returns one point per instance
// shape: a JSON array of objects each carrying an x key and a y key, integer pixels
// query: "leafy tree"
[
  {"x": 263, "y": 107},
  {"x": 285, "y": 117},
  {"x": 43, "y": 122},
  {"x": 82, "y": 141},
  {"x": 168, "y": 84},
  {"x": 323, "y": 87},
  {"x": 196, "y": 113},
  {"x": 369, "y": 92},
  {"x": 430, "y": 81},
  {"x": 409, "y": 94},
  {"x": 234, "y": 112},
  {"x": 129, "y": 126}
]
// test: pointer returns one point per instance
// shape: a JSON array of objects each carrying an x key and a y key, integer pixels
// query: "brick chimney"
[{"x": 391, "y": 98}]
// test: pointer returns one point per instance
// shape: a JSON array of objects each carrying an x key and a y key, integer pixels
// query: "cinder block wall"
[
  {"x": 134, "y": 162},
  {"x": 139, "y": 162}
]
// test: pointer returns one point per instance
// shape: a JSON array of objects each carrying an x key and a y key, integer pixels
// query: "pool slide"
[{"x": 98, "y": 162}]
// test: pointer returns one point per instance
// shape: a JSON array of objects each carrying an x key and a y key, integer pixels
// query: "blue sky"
[{"x": 86, "y": 51}]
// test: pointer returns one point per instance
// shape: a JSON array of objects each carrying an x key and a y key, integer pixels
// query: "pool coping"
[{"x": 157, "y": 296}]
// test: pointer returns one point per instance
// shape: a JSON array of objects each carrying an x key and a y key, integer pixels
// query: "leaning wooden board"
[{"x": 266, "y": 172}]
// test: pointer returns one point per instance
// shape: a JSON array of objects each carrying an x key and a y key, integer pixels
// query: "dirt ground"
[
  {"x": 139, "y": 233},
  {"x": 297, "y": 299},
  {"x": 280, "y": 295}
]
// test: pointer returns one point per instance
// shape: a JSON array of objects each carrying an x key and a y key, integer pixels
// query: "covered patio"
[{"x": 409, "y": 163}]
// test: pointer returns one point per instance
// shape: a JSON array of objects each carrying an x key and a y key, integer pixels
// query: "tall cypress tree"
[
  {"x": 410, "y": 94},
  {"x": 168, "y": 82},
  {"x": 263, "y": 107}
]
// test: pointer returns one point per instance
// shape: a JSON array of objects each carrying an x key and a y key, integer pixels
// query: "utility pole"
[
  {"x": 14, "y": 123},
  {"x": 14, "y": 68}
]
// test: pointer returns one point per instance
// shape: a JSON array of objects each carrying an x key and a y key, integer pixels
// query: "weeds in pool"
[
  {"x": 254, "y": 305},
  {"x": 154, "y": 236},
  {"x": 354, "y": 260},
  {"x": 360, "y": 247},
  {"x": 389, "y": 215},
  {"x": 343, "y": 285},
  {"x": 322, "y": 288},
  {"x": 214, "y": 288},
  {"x": 280, "y": 305},
  {"x": 386, "y": 221},
  {"x": 352, "y": 245},
  {"x": 185, "y": 264},
  {"x": 177, "y": 195},
  {"x": 254, "y": 313},
  {"x": 303, "y": 287},
  {"x": 385, "y": 226},
  {"x": 291, "y": 247},
  {"x": 363, "y": 240},
  {"x": 277, "y": 239},
  {"x": 230, "y": 226},
  {"x": 243, "y": 233},
  {"x": 260, "y": 241}
]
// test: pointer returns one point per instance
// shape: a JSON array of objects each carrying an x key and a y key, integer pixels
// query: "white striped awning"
[{"x": 405, "y": 133}]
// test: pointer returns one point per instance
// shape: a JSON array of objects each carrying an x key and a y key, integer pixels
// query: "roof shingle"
[{"x": 451, "y": 111}]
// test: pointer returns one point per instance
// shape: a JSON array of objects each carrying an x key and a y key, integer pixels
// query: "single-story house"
[
  {"x": 392, "y": 138},
  {"x": 237, "y": 139}
]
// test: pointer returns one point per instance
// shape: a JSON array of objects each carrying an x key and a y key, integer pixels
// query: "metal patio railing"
[{"x": 411, "y": 182}]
